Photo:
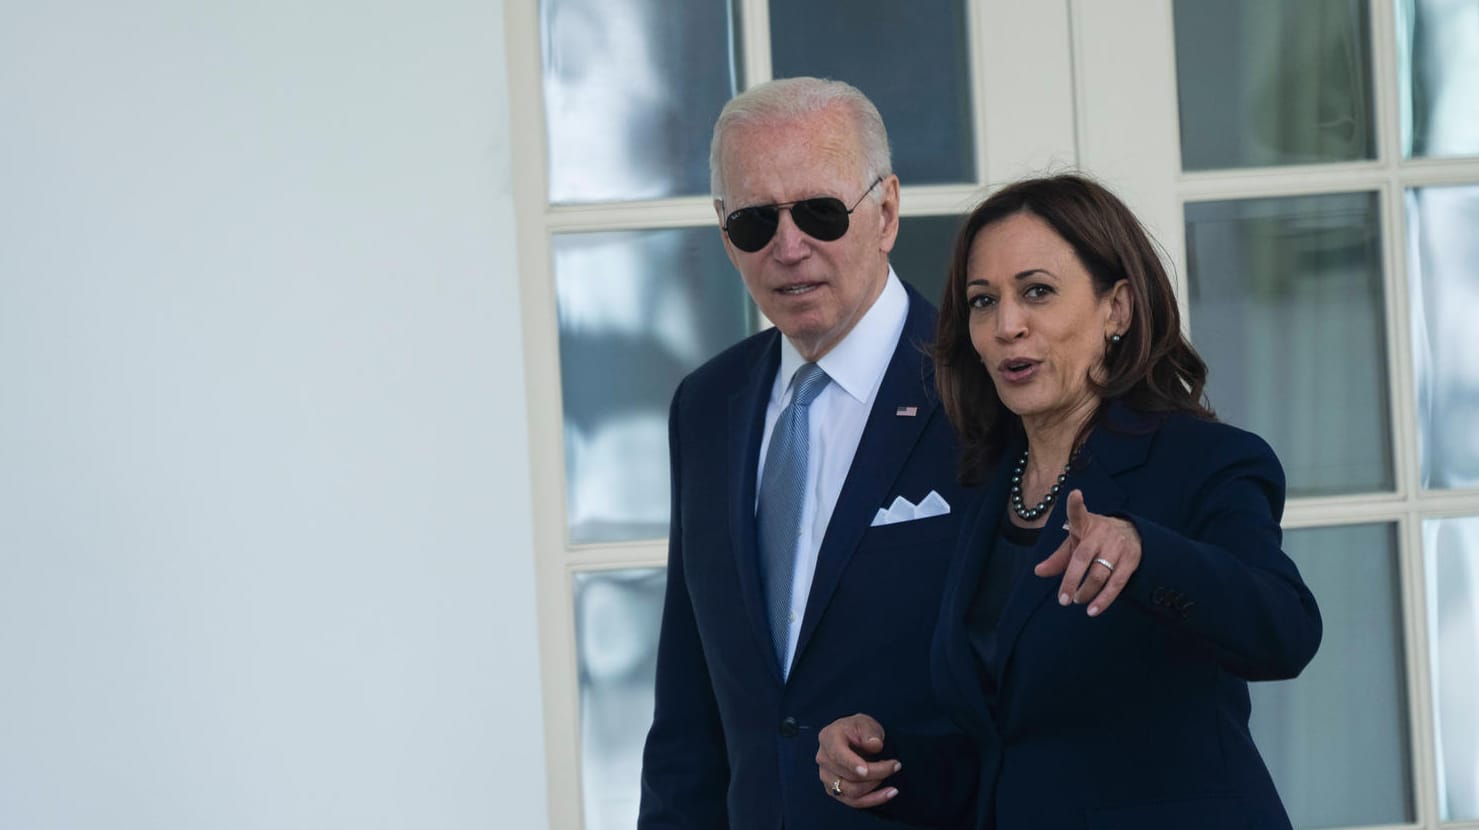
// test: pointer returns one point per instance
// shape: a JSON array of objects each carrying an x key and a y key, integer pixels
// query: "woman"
[{"x": 1120, "y": 579}]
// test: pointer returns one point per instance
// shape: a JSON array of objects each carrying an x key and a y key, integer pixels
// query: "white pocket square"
[{"x": 903, "y": 510}]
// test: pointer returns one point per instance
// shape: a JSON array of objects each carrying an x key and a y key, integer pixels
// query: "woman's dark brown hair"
[{"x": 1152, "y": 369}]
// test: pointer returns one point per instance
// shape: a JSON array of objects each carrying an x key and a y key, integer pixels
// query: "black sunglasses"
[{"x": 823, "y": 218}]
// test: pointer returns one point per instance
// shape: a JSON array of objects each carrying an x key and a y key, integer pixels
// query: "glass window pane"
[
  {"x": 909, "y": 58},
  {"x": 921, "y": 254},
  {"x": 1286, "y": 305},
  {"x": 1267, "y": 82},
  {"x": 1451, "y": 565},
  {"x": 1438, "y": 50},
  {"x": 1339, "y": 756},
  {"x": 631, "y": 92},
  {"x": 1443, "y": 260},
  {"x": 638, "y": 310},
  {"x": 616, "y": 622}
]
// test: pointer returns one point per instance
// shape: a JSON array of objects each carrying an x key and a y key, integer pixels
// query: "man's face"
[{"x": 813, "y": 291}]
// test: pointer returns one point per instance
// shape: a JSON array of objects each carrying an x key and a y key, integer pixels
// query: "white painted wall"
[{"x": 265, "y": 547}]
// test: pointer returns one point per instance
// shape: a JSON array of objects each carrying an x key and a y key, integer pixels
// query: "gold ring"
[{"x": 837, "y": 787}]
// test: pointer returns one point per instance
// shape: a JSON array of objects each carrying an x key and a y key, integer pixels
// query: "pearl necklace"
[{"x": 1031, "y": 514}]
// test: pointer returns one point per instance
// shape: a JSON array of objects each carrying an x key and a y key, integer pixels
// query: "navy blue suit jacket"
[
  {"x": 731, "y": 744},
  {"x": 1137, "y": 718}
]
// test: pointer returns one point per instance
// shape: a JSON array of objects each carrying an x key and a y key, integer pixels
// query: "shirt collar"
[{"x": 857, "y": 363}]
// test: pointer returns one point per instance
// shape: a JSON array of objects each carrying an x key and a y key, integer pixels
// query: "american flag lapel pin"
[{"x": 907, "y": 411}]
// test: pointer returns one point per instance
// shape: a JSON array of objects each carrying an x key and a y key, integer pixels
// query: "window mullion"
[{"x": 754, "y": 26}]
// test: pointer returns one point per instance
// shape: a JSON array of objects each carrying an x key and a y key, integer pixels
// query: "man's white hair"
[{"x": 789, "y": 99}]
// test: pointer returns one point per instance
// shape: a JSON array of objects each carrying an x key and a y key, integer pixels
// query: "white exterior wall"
[{"x": 266, "y": 556}]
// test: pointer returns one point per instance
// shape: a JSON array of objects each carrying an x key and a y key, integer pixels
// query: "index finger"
[
  {"x": 1078, "y": 514},
  {"x": 843, "y": 761},
  {"x": 874, "y": 771},
  {"x": 1078, "y": 561},
  {"x": 866, "y": 771}
]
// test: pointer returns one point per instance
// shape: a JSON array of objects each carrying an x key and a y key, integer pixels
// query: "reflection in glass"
[
  {"x": 638, "y": 310},
  {"x": 631, "y": 92},
  {"x": 921, "y": 255},
  {"x": 909, "y": 58},
  {"x": 1451, "y": 567},
  {"x": 1443, "y": 260},
  {"x": 616, "y": 622},
  {"x": 1286, "y": 306},
  {"x": 1341, "y": 758},
  {"x": 1438, "y": 54},
  {"x": 1266, "y": 82}
]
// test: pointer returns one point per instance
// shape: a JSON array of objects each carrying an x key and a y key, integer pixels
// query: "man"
[{"x": 814, "y": 495}]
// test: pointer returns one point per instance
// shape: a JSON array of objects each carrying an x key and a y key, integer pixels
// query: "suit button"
[{"x": 789, "y": 728}]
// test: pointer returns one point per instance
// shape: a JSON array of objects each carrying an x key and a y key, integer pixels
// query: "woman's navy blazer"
[{"x": 1137, "y": 718}]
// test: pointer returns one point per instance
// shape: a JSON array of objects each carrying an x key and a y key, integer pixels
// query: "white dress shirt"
[{"x": 835, "y": 426}]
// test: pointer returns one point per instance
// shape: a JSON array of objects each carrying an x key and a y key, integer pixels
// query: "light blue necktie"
[{"x": 782, "y": 487}]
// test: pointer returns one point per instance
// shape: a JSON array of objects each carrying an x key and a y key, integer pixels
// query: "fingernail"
[
  {"x": 890, "y": 793},
  {"x": 861, "y": 771},
  {"x": 1063, "y": 599},
  {"x": 1093, "y": 610},
  {"x": 898, "y": 766}
]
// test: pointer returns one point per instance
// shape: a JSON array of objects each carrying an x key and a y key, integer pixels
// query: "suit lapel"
[
  {"x": 1118, "y": 444},
  {"x": 887, "y": 441},
  {"x": 746, "y": 429},
  {"x": 974, "y": 548}
]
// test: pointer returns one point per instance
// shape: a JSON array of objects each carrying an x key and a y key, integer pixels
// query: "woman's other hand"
[
  {"x": 844, "y": 747},
  {"x": 1099, "y": 556}
]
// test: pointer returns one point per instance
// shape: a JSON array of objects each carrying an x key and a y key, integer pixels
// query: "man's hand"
[
  {"x": 1096, "y": 560},
  {"x": 845, "y": 773}
]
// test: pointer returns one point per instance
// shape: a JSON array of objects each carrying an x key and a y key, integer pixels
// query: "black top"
[{"x": 1007, "y": 561}]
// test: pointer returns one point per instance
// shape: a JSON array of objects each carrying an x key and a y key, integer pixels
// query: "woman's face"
[{"x": 1036, "y": 322}]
